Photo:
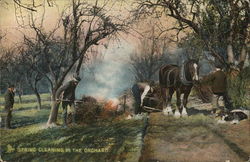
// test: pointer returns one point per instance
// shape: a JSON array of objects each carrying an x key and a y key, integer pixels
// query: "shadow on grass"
[
  {"x": 193, "y": 111},
  {"x": 21, "y": 121},
  {"x": 29, "y": 108},
  {"x": 47, "y": 106},
  {"x": 119, "y": 135},
  {"x": 28, "y": 117}
]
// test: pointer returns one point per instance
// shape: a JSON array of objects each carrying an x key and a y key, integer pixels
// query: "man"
[
  {"x": 9, "y": 102},
  {"x": 68, "y": 98},
  {"x": 140, "y": 90},
  {"x": 218, "y": 83}
]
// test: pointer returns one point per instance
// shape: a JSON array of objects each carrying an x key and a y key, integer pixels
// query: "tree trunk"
[
  {"x": 243, "y": 55},
  {"x": 20, "y": 97},
  {"x": 38, "y": 98},
  {"x": 19, "y": 92},
  {"x": 54, "y": 110},
  {"x": 230, "y": 53}
]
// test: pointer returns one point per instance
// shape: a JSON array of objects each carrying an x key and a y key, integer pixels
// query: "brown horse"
[{"x": 180, "y": 79}]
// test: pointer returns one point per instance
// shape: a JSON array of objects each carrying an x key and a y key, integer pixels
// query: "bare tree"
[
  {"x": 150, "y": 56},
  {"x": 31, "y": 66},
  {"x": 31, "y": 5},
  {"x": 11, "y": 71},
  {"x": 85, "y": 25},
  {"x": 216, "y": 23}
]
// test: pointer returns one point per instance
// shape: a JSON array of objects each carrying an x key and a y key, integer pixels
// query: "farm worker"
[
  {"x": 139, "y": 91},
  {"x": 67, "y": 93},
  {"x": 9, "y": 102},
  {"x": 218, "y": 82}
]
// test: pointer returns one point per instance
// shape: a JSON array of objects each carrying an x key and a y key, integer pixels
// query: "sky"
[{"x": 13, "y": 20}]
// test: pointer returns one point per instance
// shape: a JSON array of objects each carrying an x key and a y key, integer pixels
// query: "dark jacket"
[
  {"x": 9, "y": 99},
  {"x": 218, "y": 81},
  {"x": 68, "y": 91}
]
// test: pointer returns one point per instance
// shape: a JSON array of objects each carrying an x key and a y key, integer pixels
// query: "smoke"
[
  {"x": 110, "y": 77},
  {"x": 179, "y": 55}
]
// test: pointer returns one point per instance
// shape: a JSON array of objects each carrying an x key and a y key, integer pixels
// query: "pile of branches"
[
  {"x": 87, "y": 110},
  {"x": 90, "y": 110}
]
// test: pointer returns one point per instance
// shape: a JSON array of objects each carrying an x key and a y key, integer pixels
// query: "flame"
[{"x": 111, "y": 105}]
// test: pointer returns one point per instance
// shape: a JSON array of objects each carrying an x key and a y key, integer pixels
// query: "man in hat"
[
  {"x": 218, "y": 82},
  {"x": 9, "y": 102},
  {"x": 67, "y": 94}
]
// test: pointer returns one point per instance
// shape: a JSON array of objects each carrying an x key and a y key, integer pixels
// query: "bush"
[{"x": 238, "y": 88}]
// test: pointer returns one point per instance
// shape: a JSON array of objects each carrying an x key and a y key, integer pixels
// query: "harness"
[
  {"x": 168, "y": 78},
  {"x": 183, "y": 76}
]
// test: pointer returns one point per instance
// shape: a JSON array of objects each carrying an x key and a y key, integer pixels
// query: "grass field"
[
  {"x": 28, "y": 101},
  {"x": 120, "y": 140},
  {"x": 30, "y": 140}
]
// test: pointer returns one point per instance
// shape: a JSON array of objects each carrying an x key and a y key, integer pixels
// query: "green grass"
[
  {"x": 30, "y": 105},
  {"x": 115, "y": 138},
  {"x": 28, "y": 102},
  {"x": 28, "y": 117},
  {"x": 27, "y": 98},
  {"x": 30, "y": 138}
]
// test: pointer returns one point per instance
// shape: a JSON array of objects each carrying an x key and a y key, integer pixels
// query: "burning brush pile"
[{"x": 90, "y": 109}]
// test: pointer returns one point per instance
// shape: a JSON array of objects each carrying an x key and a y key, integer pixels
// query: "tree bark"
[
  {"x": 38, "y": 98},
  {"x": 243, "y": 55},
  {"x": 54, "y": 109},
  {"x": 20, "y": 97},
  {"x": 230, "y": 53},
  {"x": 19, "y": 92},
  {"x": 35, "y": 90}
]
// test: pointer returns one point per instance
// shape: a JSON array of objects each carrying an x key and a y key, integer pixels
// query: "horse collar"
[{"x": 183, "y": 76}]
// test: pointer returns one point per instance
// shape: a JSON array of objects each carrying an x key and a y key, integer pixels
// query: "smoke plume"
[{"x": 109, "y": 77}]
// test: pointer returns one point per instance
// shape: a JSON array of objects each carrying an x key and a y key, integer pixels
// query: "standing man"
[
  {"x": 9, "y": 102},
  {"x": 140, "y": 90},
  {"x": 67, "y": 95},
  {"x": 218, "y": 83}
]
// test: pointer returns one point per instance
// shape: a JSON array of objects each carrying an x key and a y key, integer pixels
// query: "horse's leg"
[
  {"x": 167, "y": 102},
  {"x": 169, "y": 98},
  {"x": 164, "y": 99},
  {"x": 178, "y": 103},
  {"x": 185, "y": 101}
]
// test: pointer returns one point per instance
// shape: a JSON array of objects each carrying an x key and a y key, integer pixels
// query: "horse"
[{"x": 180, "y": 79}]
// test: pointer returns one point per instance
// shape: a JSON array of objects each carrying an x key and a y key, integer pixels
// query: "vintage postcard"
[{"x": 124, "y": 80}]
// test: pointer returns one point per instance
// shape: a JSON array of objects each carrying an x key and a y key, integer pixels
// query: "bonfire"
[{"x": 90, "y": 109}]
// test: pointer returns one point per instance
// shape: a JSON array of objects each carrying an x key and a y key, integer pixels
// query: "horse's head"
[{"x": 193, "y": 68}]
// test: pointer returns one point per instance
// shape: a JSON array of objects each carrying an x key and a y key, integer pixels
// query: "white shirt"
[{"x": 146, "y": 89}]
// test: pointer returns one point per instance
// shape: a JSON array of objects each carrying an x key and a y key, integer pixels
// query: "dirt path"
[{"x": 194, "y": 138}]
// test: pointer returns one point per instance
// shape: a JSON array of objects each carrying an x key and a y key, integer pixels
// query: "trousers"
[
  {"x": 65, "y": 105},
  {"x": 7, "y": 118},
  {"x": 226, "y": 99}
]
